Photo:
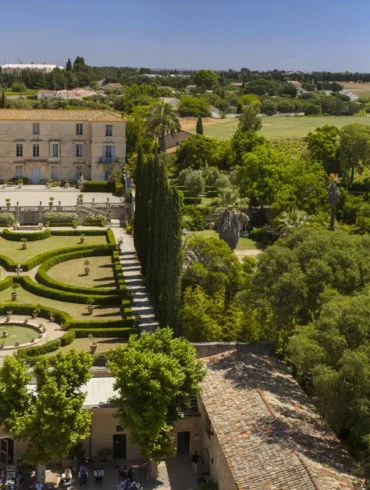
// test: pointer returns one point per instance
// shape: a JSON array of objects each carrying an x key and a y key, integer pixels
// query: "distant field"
[
  {"x": 357, "y": 88},
  {"x": 272, "y": 127}
]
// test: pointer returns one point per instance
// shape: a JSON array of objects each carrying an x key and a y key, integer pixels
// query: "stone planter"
[
  {"x": 87, "y": 270},
  {"x": 14, "y": 295},
  {"x": 35, "y": 315},
  {"x": 90, "y": 309},
  {"x": 93, "y": 348},
  {"x": 82, "y": 239},
  {"x": 9, "y": 313},
  {"x": 66, "y": 186},
  {"x": 24, "y": 246},
  {"x": 52, "y": 317},
  {"x": 19, "y": 186},
  {"x": 8, "y": 204}
]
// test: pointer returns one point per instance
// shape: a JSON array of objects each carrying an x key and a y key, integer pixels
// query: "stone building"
[
  {"x": 252, "y": 425},
  {"x": 58, "y": 145}
]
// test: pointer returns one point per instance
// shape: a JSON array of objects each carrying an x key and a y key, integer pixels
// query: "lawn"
[
  {"x": 105, "y": 344},
  {"x": 243, "y": 244},
  {"x": 275, "y": 127},
  {"x": 73, "y": 272},
  {"x": 14, "y": 250},
  {"x": 17, "y": 333},
  {"x": 77, "y": 311}
]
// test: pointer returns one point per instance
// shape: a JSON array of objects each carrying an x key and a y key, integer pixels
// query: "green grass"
[
  {"x": 14, "y": 250},
  {"x": 77, "y": 311},
  {"x": 27, "y": 92},
  {"x": 280, "y": 126},
  {"x": 17, "y": 333},
  {"x": 73, "y": 272},
  {"x": 105, "y": 344},
  {"x": 243, "y": 244}
]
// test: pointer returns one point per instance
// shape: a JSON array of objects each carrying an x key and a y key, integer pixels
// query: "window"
[
  {"x": 19, "y": 150},
  {"x": 119, "y": 428},
  {"x": 54, "y": 150},
  {"x": 109, "y": 130},
  {"x": 108, "y": 152},
  {"x": 54, "y": 173},
  {"x": 79, "y": 150},
  {"x": 36, "y": 129},
  {"x": 36, "y": 151},
  {"x": 79, "y": 129},
  {"x": 19, "y": 171}
]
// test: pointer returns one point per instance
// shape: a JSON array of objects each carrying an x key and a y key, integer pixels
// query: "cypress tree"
[
  {"x": 138, "y": 228},
  {"x": 3, "y": 100},
  {"x": 69, "y": 65},
  {"x": 199, "y": 128}
]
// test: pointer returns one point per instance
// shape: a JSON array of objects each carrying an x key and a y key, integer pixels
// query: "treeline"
[{"x": 157, "y": 237}]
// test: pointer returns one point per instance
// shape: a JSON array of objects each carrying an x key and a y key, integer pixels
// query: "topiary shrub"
[
  {"x": 59, "y": 217},
  {"x": 31, "y": 237},
  {"x": 67, "y": 338},
  {"x": 7, "y": 219}
]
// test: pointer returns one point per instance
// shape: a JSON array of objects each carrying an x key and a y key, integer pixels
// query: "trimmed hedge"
[
  {"x": 59, "y": 217},
  {"x": 212, "y": 194},
  {"x": 102, "y": 332},
  {"x": 52, "y": 225},
  {"x": 31, "y": 237},
  {"x": 95, "y": 220},
  {"x": 79, "y": 232},
  {"x": 44, "y": 279},
  {"x": 6, "y": 283},
  {"x": 60, "y": 295},
  {"x": 98, "y": 186},
  {"x": 39, "y": 350},
  {"x": 192, "y": 200},
  {"x": 118, "y": 189},
  {"x": 67, "y": 338}
]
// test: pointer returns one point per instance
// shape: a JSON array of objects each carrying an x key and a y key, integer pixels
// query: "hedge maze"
[{"x": 43, "y": 286}]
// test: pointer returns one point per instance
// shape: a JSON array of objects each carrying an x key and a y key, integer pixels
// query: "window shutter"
[
  {"x": 113, "y": 153},
  {"x": 74, "y": 151},
  {"x": 51, "y": 149},
  {"x": 83, "y": 150}
]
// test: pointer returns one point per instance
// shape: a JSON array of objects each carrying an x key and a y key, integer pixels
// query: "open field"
[
  {"x": 272, "y": 127},
  {"x": 357, "y": 88},
  {"x": 73, "y": 272},
  {"x": 76, "y": 310},
  {"x": 14, "y": 250}
]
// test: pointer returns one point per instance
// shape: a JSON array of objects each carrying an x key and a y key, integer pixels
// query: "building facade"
[
  {"x": 44, "y": 145},
  {"x": 17, "y": 68}
]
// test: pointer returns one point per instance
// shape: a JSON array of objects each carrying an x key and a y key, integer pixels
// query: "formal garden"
[{"x": 61, "y": 289}]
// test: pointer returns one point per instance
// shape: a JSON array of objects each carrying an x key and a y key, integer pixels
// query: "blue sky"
[{"x": 216, "y": 34}]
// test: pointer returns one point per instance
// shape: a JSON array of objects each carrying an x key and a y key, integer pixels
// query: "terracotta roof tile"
[
  {"x": 58, "y": 115},
  {"x": 268, "y": 428}
]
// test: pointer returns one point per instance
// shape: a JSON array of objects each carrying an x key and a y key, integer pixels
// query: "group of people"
[{"x": 127, "y": 479}]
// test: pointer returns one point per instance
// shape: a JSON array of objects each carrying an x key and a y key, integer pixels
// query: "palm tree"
[
  {"x": 229, "y": 211},
  {"x": 163, "y": 120},
  {"x": 290, "y": 220},
  {"x": 333, "y": 197}
]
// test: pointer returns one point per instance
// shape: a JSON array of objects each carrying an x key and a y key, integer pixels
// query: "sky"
[{"x": 332, "y": 35}]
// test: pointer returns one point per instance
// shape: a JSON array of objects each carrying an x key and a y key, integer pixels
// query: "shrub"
[
  {"x": 67, "y": 338},
  {"x": 212, "y": 194},
  {"x": 194, "y": 183},
  {"x": 59, "y": 217},
  {"x": 39, "y": 350},
  {"x": 263, "y": 235},
  {"x": 95, "y": 220},
  {"x": 56, "y": 225},
  {"x": 7, "y": 219},
  {"x": 6, "y": 283},
  {"x": 192, "y": 200},
  {"x": 118, "y": 189},
  {"x": 60, "y": 295},
  {"x": 98, "y": 186},
  {"x": 102, "y": 332},
  {"x": 31, "y": 237}
]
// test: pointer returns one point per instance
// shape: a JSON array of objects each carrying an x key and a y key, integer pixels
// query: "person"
[
  {"x": 131, "y": 485},
  {"x": 195, "y": 460},
  {"x": 39, "y": 486},
  {"x": 122, "y": 484},
  {"x": 130, "y": 473},
  {"x": 83, "y": 474}
]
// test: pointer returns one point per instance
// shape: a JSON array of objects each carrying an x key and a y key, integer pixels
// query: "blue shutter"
[
  {"x": 113, "y": 153},
  {"x": 74, "y": 150}
]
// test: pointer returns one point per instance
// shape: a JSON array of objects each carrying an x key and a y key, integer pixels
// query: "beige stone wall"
[
  {"x": 213, "y": 459},
  {"x": 63, "y": 133}
]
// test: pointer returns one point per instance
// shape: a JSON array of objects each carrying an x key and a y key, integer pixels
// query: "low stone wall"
[{"x": 206, "y": 349}]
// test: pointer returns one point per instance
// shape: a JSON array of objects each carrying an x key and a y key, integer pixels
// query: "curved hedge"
[
  {"x": 31, "y": 237},
  {"x": 44, "y": 279},
  {"x": 60, "y": 295}
]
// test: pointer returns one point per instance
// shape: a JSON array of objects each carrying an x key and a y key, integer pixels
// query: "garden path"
[{"x": 141, "y": 304}]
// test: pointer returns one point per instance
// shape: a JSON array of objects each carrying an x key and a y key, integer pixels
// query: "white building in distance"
[{"x": 17, "y": 68}]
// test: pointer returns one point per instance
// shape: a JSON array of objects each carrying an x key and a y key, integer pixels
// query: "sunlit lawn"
[
  {"x": 105, "y": 344},
  {"x": 77, "y": 311},
  {"x": 73, "y": 272},
  {"x": 14, "y": 250}
]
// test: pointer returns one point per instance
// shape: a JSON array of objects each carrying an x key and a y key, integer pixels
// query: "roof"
[
  {"x": 113, "y": 85},
  {"x": 58, "y": 115},
  {"x": 294, "y": 82},
  {"x": 30, "y": 66},
  {"x": 268, "y": 429},
  {"x": 98, "y": 391}
]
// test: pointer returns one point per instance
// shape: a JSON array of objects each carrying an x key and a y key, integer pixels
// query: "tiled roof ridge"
[
  {"x": 273, "y": 414},
  {"x": 118, "y": 116}
]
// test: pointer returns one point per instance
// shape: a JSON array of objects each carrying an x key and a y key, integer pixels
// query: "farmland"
[{"x": 272, "y": 127}]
